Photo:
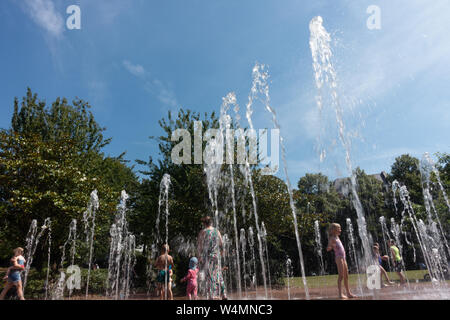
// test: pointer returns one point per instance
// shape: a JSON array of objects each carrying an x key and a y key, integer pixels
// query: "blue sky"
[{"x": 135, "y": 60}]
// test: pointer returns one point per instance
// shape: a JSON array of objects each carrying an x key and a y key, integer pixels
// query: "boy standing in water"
[
  {"x": 164, "y": 264},
  {"x": 397, "y": 260}
]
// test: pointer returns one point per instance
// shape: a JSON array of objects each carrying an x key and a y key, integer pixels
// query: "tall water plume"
[
  {"x": 396, "y": 230},
  {"x": 261, "y": 87},
  {"x": 245, "y": 169},
  {"x": 326, "y": 81},
  {"x": 251, "y": 242},
  {"x": 289, "y": 275},
  {"x": 318, "y": 247},
  {"x": 244, "y": 265},
  {"x": 49, "y": 248},
  {"x": 32, "y": 242},
  {"x": 428, "y": 237},
  {"x": 385, "y": 232},
  {"x": 353, "y": 254},
  {"x": 89, "y": 230},
  {"x": 164, "y": 201},
  {"x": 264, "y": 238},
  {"x": 225, "y": 126},
  {"x": 427, "y": 168},
  {"x": 58, "y": 293},
  {"x": 121, "y": 253}
]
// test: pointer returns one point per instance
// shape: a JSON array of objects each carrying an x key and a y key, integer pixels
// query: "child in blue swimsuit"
[
  {"x": 13, "y": 274},
  {"x": 379, "y": 259}
]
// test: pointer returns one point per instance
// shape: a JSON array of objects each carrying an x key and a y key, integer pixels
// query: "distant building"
[
  {"x": 383, "y": 178},
  {"x": 342, "y": 185}
]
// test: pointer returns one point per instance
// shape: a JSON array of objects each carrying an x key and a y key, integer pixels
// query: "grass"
[{"x": 331, "y": 280}]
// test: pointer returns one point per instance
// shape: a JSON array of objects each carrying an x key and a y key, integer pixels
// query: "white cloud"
[
  {"x": 165, "y": 95},
  {"x": 152, "y": 85},
  {"x": 135, "y": 69},
  {"x": 45, "y": 15}
]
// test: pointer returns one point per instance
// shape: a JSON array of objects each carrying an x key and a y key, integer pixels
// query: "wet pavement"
[{"x": 415, "y": 291}]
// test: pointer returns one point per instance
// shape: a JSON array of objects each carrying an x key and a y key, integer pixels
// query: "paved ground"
[{"x": 415, "y": 291}]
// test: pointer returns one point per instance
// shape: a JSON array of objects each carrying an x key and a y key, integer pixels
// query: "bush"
[
  {"x": 35, "y": 287},
  {"x": 97, "y": 281},
  {"x": 139, "y": 275}
]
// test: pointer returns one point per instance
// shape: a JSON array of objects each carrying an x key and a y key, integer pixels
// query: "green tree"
[
  {"x": 313, "y": 183},
  {"x": 51, "y": 160},
  {"x": 188, "y": 193},
  {"x": 316, "y": 199},
  {"x": 443, "y": 165},
  {"x": 371, "y": 194},
  {"x": 61, "y": 121},
  {"x": 406, "y": 171},
  {"x": 318, "y": 195},
  {"x": 188, "y": 199}
]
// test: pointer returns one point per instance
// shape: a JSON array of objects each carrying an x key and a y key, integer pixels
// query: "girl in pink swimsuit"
[
  {"x": 339, "y": 253},
  {"x": 191, "y": 278}
]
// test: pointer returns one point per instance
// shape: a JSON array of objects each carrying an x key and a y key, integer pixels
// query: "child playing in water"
[
  {"x": 191, "y": 278},
  {"x": 397, "y": 260},
  {"x": 164, "y": 265},
  {"x": 379, "y": 259},
  {"x": 334, "y": 243},
  {"x": 13, "y": 274},
  {"x": 17, "y": 263}
]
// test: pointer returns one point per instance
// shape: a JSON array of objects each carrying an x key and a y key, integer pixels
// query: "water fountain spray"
[
  {"x": 89, "y": 230},
  {"x": 225, "y": 125},
  {"x": 319, "y": 247},
  {"x": 58, "y": 293},
  {"x": 49, "y": 244},
  {"x": 212, "y": 167},
  {"x": 385, "y": 232},
  {"x": 251, "y": 241},
  {"x": 325, "y": 77},
  {"x": 427, "y": 236},
  {"x": 260, "y": 86},
  {"x": 353, "y": 255},
  {"x": 396, "y": 229},
  {"x": 164, "y": 200},
  {"x": 245, "y": 169},
  {"x": 264, "y": 238},
  {"x": 243, "y": 248},
  {"x": 289, "y": 275},
  {"x": 226, "y": 260},
  {"x": 156, "y": 246},
  {"x": 32, "y": 242},
  {"x": 427, "y": 167},
  {"x": 121, "y": 253}
]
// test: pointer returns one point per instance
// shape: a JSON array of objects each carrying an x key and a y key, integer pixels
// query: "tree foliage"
[
  {"x": 51, "y": 160},
  {"x": 405, "y": 170}
]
